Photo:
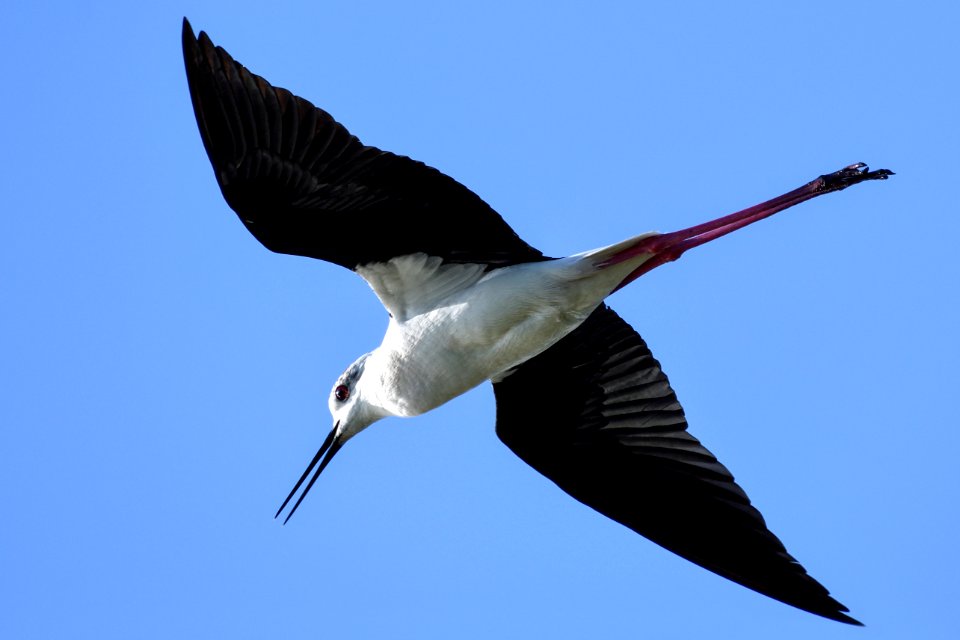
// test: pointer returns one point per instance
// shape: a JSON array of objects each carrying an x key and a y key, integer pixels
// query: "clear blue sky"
[{"x": 164, "y": 377}]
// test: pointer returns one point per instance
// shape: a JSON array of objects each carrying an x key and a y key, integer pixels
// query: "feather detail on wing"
[{"x": 596, "y": 415}]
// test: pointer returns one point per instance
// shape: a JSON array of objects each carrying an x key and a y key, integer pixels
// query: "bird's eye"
[{"x": 341, "y": 393}]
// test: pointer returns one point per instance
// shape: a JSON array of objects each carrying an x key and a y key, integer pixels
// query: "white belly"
[{"x": 506, "y": 318}]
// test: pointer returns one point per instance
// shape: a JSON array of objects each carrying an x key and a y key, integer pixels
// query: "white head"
[
  {"x": 351, "y": 404},
  {"x": 352, "y": 412}
]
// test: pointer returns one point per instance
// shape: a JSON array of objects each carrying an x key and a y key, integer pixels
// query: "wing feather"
[
  {"x": 596, "y": 414},
  {"x": 302, "y": 184}
]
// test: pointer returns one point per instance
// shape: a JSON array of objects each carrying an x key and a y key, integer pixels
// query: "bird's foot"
[{"x": 848, "y": 176}]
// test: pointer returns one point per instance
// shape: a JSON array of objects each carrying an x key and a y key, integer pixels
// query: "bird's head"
[
  {"x": 351, "y": 403},
  {"x": 352, "y": 412}
]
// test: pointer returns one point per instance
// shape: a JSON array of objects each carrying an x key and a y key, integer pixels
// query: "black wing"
[
  {"x": 596, "y": 414},
  {"x": 302, "y": 184}
]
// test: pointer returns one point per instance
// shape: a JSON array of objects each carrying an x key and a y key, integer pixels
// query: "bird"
[{"x": 579, "y": 396}]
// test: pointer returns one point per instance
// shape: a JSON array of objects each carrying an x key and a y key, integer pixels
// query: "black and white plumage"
[{"x": 579, "y": 396}]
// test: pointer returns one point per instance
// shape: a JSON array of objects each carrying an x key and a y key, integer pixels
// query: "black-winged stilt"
[{"x": 579, "y": 396}]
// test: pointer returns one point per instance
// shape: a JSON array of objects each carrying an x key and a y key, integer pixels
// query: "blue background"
[{"x": 164, "y": 377}]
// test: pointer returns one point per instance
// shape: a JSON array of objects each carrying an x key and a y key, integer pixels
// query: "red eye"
[{"x": 341, "y": 393}]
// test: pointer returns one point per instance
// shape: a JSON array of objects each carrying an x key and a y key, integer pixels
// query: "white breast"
[{"x": 453, "y": 327}]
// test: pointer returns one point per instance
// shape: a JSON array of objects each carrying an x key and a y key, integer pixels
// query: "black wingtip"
[
  {"x": 187, "y": 33},
  {"x": 191, "y": 47},
  {"x": 193, "y": 44},
  {"x": 840, "y": 617}
]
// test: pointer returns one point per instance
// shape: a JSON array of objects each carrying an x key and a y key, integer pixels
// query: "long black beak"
[{"x": 330, "y": 446}]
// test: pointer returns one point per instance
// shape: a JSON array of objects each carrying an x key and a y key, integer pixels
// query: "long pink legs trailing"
[{"x": 666, "y": 247}]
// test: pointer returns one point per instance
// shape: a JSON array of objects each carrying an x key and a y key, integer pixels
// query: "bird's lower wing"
[{"x": 596, "y": 415}]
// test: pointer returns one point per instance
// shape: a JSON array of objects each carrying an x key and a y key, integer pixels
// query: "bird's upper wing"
[
  {"x": 302, "y": 184},
  {"x": 596, "y": 415}
]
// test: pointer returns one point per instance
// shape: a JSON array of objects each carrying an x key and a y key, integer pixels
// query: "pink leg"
[{"x": 667, "y": 247}]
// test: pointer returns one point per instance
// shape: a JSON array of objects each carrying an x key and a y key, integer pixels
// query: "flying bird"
[{"x": 579, "y": 396}]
